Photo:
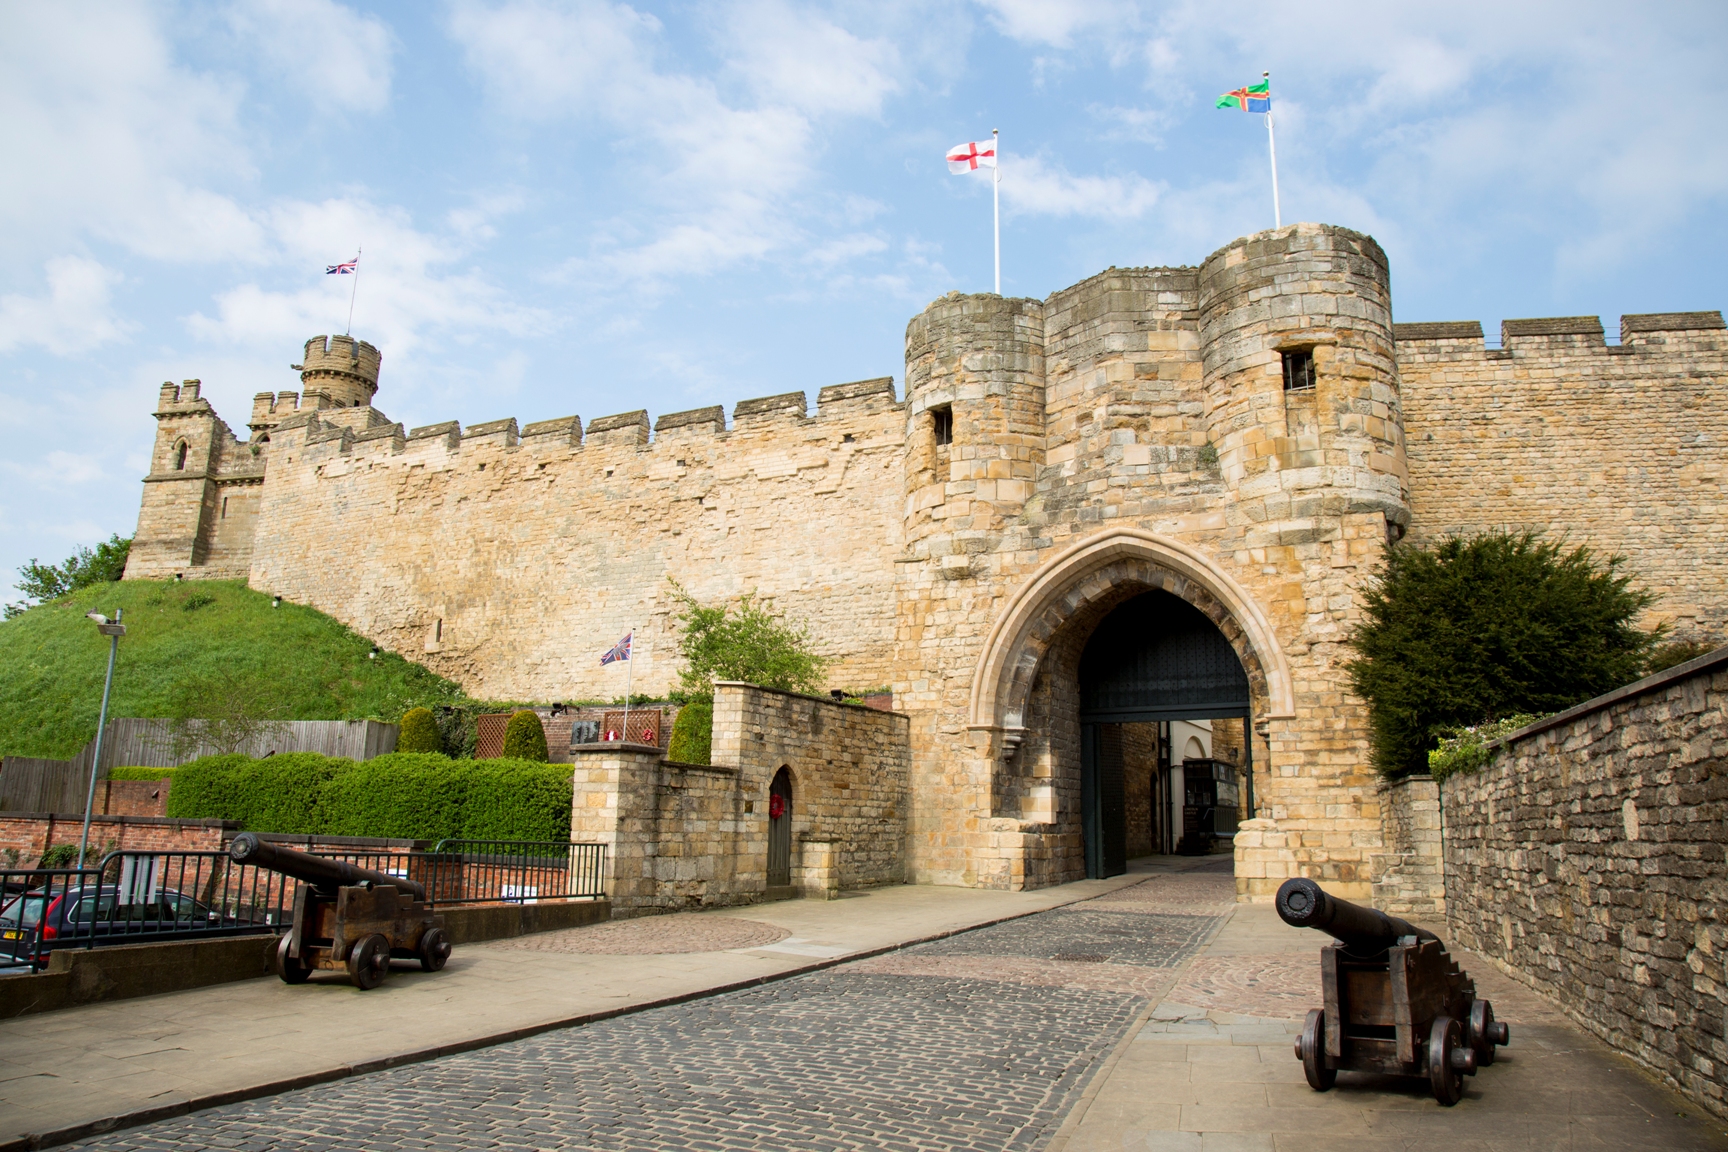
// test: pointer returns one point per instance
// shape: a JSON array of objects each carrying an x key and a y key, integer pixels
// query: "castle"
[{"x": 1155, "y": 495}]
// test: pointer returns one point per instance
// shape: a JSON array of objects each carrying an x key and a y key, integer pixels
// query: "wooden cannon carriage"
[
  {"x": 1395, "y": 1001},
  {"x": 347, "y": 918}
]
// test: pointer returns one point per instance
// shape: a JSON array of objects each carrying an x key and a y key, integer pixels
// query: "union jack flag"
[
  {"x": 618, "y": 651},
  {"x": 343, "y": 269}
]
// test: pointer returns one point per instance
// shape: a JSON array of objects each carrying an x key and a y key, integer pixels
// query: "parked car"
[{"x": 33, "y": 924}]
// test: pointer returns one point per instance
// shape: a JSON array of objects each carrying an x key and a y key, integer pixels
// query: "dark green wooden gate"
[{"x": 1156, "y": 657}]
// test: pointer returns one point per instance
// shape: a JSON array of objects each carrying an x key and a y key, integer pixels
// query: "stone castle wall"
[
  {"x": 510, "y": 560},
  {"x": 1586, "y": 860},
  {"x": 1049, "y": 460},
  {"x": 1620, "y": 447}
]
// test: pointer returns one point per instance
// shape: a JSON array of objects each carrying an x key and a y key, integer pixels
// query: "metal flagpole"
[
  {"x": 996, "y": 202},
  {"x": 1272, "y": 146},
  {"x": 113, "y": 631},
  {"x": 356, "y": 288},
  {"x": 629, "y": 675}
]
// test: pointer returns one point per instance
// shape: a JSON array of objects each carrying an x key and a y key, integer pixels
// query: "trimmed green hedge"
[
  {"x": 693, "y": 733},
  {"x": 525, "y": 737},
  {"x": 419, "y": 732},
  {"x": 406, "y": 795}
]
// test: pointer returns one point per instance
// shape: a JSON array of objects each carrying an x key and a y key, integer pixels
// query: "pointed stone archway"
[{"x": 1023, "y": 735}]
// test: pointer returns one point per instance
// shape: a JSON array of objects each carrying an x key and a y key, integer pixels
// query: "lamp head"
[{"x": 96, "y": 616}]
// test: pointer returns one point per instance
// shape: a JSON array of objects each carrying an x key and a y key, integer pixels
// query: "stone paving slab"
[{"x": 72, "y": 1072}]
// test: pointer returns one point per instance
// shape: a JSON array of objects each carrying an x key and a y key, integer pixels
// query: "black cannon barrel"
[
  {"x": 317, "y": 870},
  {"x": 1304, "y": 904}
]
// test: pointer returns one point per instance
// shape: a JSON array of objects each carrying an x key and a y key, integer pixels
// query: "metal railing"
[
  {"x": 137, "y": 897},
  {"x": 513, "y": 871}
]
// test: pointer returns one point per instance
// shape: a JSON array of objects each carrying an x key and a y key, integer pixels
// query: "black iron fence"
[{"x": 136, "y": 897}]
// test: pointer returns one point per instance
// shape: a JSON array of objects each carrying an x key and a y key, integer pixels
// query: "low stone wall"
[
  {"x": 1409, "y": 877},
  {"x": 691, "y": 835},
  {"x": 1587, "y": 859},
  {"x": 851, "y": 769}
]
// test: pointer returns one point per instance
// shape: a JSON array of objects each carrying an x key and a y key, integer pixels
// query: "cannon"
[
  {"x": 347, "y": 918},
  {"x": 1396, "y": 1003}
]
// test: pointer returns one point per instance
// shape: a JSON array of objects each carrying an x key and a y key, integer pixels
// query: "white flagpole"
[
  {"x": 1272, "y": 146},
  {"x": 629, "y": 675},
  {"x": 996, "y": 202},
  {"x": 354, "y": 288}
]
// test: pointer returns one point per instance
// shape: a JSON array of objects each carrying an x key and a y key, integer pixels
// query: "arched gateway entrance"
[
  {"x": 1189, "y": 642},
  {"x": 1153, "y": 660}
]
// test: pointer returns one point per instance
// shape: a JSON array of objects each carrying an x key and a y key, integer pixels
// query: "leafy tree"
[
  {"x": 693, "y": 733},
  {"x": 1476, "y": 629},
  {"x": 525, "y": 738},
  {"x": 751, "y": 644},
  {"x": 222, "y": 715},
  {"x": 44, "y": 582},
  {"x": 419, "y": 732}
]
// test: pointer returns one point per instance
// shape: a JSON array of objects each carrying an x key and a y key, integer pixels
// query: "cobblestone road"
[{"x": 980, "y": 1041}]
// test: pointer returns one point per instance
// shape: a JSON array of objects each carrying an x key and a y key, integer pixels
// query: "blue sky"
[{"x": 593, "y": 207}]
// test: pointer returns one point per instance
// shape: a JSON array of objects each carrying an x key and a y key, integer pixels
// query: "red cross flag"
[{"x": 971, "y": 157}]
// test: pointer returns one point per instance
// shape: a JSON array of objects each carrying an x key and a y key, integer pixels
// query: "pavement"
[
  {"x": 1147, "y": 1011},
  {"x": 64, "y": 1075}
]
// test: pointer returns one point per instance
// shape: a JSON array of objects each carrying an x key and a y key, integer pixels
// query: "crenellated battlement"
[
  {"x": 1559, "y": 335},
  {"x": 344, "y": 368},
  {"x": 181, "y": 399}
]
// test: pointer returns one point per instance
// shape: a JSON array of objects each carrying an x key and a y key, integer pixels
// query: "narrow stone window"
[
  {"x": 180, "y": 457},
  {"x": 224, "y": 507},
  {"x": 1298, "y": 370},
  {"x": 942, "y": 421}
]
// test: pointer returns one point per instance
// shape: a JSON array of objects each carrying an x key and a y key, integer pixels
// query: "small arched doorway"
[
  {"x": 780, "y": 830},
  {"x": 1154, "y": 659}
]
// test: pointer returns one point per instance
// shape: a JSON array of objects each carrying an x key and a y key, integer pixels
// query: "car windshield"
[{"x": 24, "y": 911}]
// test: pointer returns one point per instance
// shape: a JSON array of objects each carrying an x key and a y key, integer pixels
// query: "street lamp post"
[{"x": 112, "y": 629}]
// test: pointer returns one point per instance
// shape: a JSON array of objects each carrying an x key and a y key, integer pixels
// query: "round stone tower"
[
  {"x": 1301, "y": 387},
  {"x": 340, "y": 368},
  {"x": 975, "y": 422}
]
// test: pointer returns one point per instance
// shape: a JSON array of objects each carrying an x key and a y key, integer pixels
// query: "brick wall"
[
  {"x": 1587, "y": 860},
  {"x": 133, "y": 797},
  {"x": 32, "y": 833}
]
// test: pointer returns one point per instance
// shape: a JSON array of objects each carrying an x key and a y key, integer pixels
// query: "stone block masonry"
[
  {"x": 1587, "y": 859},
  {"x": 688, "y": 836}
]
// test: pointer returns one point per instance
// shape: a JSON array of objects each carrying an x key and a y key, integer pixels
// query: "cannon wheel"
[
  {"x": 291, "y": 970},
  {"x": 369, "y": 962},
  {"x": 1311, "y": 1048},
  {"x": 434, "y": 949},
  {"x": 1445, "y": 1038},
  {"x": 1483, "y": 1031}
]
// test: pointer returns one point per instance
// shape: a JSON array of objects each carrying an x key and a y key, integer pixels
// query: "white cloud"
[
  {"x": 717, "y": 179},
  {"x": 340, "y": 59},
  {"x": 1032, "y": 187},
  {"x": 106, "y": 136},
  {"x": 407, "y": 293},
  {"x": 1055, "y": 22},
  {"x": 75, "y": 315}
]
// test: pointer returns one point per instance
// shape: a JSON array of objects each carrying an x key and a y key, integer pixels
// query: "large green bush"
[
  {"x": 419, "y": 732},
  {"x": 407, "y": 795},
  {"x": 1477, "y": 629},
  {"x": 693, "y": 733},
  {"x": 525, "y": 737}
]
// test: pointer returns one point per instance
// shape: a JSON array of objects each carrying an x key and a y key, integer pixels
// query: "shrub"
[
  {"x": 1474, "y": 629},
  {"x": 524, "y": 738},
  {"x": 140, "y": 772},
  {"x": 693, "y": 733},
  {"x": 753, "y": 645},
  {"x": 1466, "y": 749},
  {"x": 410, "y": 795},
  {"x": 419, "y": 732}
]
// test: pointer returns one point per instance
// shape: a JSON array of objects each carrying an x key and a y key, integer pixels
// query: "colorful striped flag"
[{"x": 1249, "y": 98}]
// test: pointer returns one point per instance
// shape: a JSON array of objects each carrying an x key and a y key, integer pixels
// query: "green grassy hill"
[{"x": 177, "y": 634}]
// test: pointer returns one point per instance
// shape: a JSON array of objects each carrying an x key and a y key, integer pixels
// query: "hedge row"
[{"x": 407, "y": 795}]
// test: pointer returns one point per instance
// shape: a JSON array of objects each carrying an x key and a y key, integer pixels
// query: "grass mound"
[{"x": 180, "y": 635}]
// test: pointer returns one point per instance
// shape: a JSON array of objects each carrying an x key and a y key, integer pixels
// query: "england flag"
[{"x": 971, "y": 157}]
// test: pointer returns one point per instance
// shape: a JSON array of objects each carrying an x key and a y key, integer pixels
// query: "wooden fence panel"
[{"x": 28, "y": 784}]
